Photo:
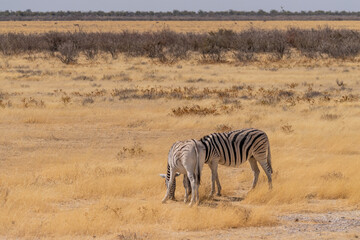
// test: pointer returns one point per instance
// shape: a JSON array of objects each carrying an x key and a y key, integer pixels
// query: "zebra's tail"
[
  {"x": 197, "y": 167},
  {"x": 269, "y": 158}
]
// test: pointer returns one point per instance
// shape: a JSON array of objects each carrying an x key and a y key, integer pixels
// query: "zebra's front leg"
[{"x": 214, "y": 178}]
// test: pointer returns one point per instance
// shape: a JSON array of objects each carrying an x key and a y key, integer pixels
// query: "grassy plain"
[
  {"x": 178, "y": 26},
  {"x": 81, "y": 147}
]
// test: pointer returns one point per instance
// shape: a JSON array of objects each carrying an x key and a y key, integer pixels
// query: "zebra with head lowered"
[
  {"x": 178, "y": 152},
  {"x": 184, "y": 158}
]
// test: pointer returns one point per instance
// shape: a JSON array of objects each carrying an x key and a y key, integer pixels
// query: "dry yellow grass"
[
  {"x": 79, "y": 158},
  {"x": 179, "y": 26}
]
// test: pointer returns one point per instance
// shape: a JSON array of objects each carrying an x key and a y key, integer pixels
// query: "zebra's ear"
[
  {"x": 163, "y": 175},
  {"x": 177, "y": 174}
]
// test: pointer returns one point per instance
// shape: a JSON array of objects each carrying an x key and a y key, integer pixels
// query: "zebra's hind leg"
[
  {"x": 267, "y": 170},
  {"x": 255, "y": 170},
  {"x": 187, "y": 187},
  {"x": 218, "y": 185},
  {"x": 170, "y": 185},
  {"x": 194, "y": 194}
]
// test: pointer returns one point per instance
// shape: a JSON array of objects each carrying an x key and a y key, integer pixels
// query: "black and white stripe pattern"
[
  {"x": 229, "y": 149},
  {"x": 236, "y": 147},
  {"x": 183, "y": 158}
]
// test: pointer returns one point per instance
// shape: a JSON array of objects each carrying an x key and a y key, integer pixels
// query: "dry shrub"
[
  {"x": 223, "y": 128},
  {"x": 230, "y": 97},
  {"x": 156, "y": 93},
  {"x": 273, "y": 96},
  {"x": 196, "y": 80},
  {"x": 3, "y": 95},
  {"x": 95, "y": 93},
  {"x": 340, "y": 84},
  {"x": 292, "y": 85},
  {"x": 87, "y": 101},
  {"x": 214, "y": 45},
  {"x": 133, "y": 151},
  {"x": 119, "y": 77},
  {"x": 287, "y": 128},
  {"x": 68, "y": 52},
  {"x": 32, "y": 102},
  {"x": 348, "y": 98},
  {"x": 136, "y": 124},
  {"x": 84, "y": 78},
  {"x": 65, "y": 99},
  {"x": 33, "y": 120},
  {"x": 329, "y": 116},
  {"x": 4, "y": 103},
  {"x": 195, "y": 110},
  {"x": 227, "y": 95},
  {"x": 28, "y": 73},
  {"x": 335, "y": 175},
  {"x": 312, "y": 94},
  {"x": 128, "y": 235},
  {"x": 245, "y": 57}
]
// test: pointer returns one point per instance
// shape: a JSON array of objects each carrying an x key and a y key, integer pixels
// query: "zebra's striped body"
[
  {"x": 184, "y": 158},
  {"x": 236, "y": 147}
]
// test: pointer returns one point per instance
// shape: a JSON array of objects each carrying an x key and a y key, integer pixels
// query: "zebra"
[
  {"x": 236, "y": 147},
  {"x": 184, "y": 158},
  {"x": 178, "y": 150},
  {"x": 229, "y": 149}
]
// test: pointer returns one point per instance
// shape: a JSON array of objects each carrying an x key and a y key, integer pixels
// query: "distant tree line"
[{"x": 29, "y": 15}]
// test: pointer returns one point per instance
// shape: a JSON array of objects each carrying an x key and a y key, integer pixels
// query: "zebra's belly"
[{"x": 233, "y": 163}]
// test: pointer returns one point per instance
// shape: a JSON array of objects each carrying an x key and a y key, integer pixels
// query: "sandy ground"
[{"x": 332, "y": 225}]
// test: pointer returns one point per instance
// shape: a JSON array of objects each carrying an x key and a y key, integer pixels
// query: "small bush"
[
  {"x": 312, "y": 94},
  {"x": 68, "y": 52},
  {"x": 133, "y": 151},
  {"x": 329, "y": 116},
  {"x": 194, "y": 110},
  {"x": 65, "y": 99},
  {"x": 245, "y": 57},
  {"x": 223, "y": 128},
  {"x": 87, "y": 101},
  {"x": 287, "y": 128},
  {"x": 32, "y": 102},
  {"x": 84, "y": 78}
]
